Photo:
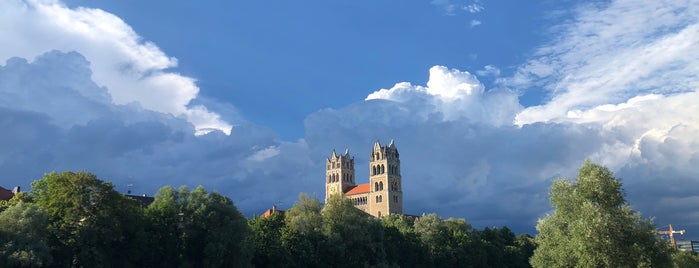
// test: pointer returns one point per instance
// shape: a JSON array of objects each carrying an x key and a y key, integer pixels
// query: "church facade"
[{"x": 383, "y": 195}]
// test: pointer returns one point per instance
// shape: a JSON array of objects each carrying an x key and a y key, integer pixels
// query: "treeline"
[
  {"x": 76, "y": 220},
  {"x": 339, "y": 235}
]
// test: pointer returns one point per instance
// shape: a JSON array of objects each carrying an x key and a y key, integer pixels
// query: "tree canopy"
[
  {"x": 593, "y": 226},
  {"x": 74, "y": 219}
]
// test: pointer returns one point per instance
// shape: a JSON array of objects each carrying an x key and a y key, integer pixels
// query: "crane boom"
[{"x": 670, "y": 233}]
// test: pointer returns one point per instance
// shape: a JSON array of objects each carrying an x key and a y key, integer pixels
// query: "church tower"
[
  {"x": 386, "y": 194},
  {"x": 339, "y": 174}
]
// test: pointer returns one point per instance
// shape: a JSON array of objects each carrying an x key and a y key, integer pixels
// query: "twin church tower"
[{"x": 383, "y": 195}]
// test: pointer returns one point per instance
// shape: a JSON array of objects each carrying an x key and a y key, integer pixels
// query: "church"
[{"x": 382, "y": 195}]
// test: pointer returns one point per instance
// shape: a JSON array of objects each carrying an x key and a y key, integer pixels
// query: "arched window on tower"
[
  {"x": 377, "y": 199},
  {"x": 382, "y": 169},
  {"x": 380, "y": 186},
  {"x": 376, "y": 186}
]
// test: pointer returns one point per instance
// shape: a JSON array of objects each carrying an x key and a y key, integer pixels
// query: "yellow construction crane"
[{"x": 670, "y": 233}]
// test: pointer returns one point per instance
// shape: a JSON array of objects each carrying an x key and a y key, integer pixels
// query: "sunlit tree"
[{"x": 593, "y": 226}]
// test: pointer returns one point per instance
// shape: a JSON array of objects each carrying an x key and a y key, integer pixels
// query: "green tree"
[
  {"x": 354, "y": 237},
  {"x": 90, "y": 224},
  {"x": 266, "y": 240},
  {"x": 200, "y": 229},
  {"x": 23, "y": 237},
  {"x": 304, "y": 217},
  {"x": 164, "y": 221},
  {"x": 19, "y": 197},
  {"x": 525, "y": 247},
  {"x": 435, "y": 237},
  {"x": 302, "y": 235},
  {"x": 594, "y": 226},
  {"x": 682, "y": 259},
  {"x": 401, "y": 244}
]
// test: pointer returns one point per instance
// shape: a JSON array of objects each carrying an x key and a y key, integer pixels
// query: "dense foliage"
[
  {"x": 76, "y": 220},
  {"x": 594, "y": 226},
  {"x": 339, "y": 235}
]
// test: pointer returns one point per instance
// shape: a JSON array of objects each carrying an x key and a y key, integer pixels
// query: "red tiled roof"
[
  {"x": 269, "y": 212},
  {"x": 5, "y": 194},
  {"x": 359, "y": 189}
]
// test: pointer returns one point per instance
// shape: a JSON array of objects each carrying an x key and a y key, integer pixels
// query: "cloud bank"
[
  {"x": 132, "y": 70},
  {"x": 55, "y": 118}
]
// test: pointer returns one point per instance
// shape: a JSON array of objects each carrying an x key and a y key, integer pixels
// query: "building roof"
[
  {"x": 359, "y": 189},
  {"x": 272, "y": 210},
  {"x": 144, "y": 199},
  {"x": 5, "y": 194}
]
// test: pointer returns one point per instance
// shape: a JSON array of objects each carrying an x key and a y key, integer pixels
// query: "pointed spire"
[
  {"x": 334, "y": 155},
  {"x": 392, "y": 145},
  {"x": 347, "y": 152},
  {"x": 377, "y": 145}
]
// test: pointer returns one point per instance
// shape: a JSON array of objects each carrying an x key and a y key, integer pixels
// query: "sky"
[{"x": 487, "y": 101}]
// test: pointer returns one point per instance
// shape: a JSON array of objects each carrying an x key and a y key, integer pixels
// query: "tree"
[
  {"x": 525, "y": 246},
  {"x": 302, "y": 235},
  {"x": 594, "y": 226},
  {"x": 163, "y": 225},
  {"x": 304, "y": 217},
  {"x": 401, "y": 244},
  {"x": 683, "y": 259},
  {"x": 355, "y": 238},
  {"x": 434, "y": 235},
  {"x": 23, "y": 237},
  {"x": 266, "y": 240},
  {"x": 196, "y": 229},
  {"x": 18, "y": 197},
  {"x": 90, "y": 224}
]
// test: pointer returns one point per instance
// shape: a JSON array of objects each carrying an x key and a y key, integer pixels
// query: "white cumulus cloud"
[
  {"x": 454, "y": 94},
  {"x": 131, "y": 69}
]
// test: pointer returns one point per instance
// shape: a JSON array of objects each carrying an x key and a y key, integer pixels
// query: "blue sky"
[
  {"x": 486, "y": 101},
  {"x": 258, "y": 55}
]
